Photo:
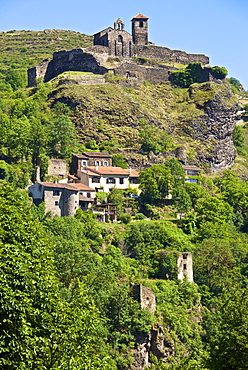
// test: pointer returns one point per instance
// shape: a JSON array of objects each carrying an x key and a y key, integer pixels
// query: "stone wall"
[
  {"x": 154, "y": 75},
  {"x": 73, "y": 60},
  {"x": 57, "y": 168},
  {"x": 145, "y": 296},
  {"x": 164, "y": 54}
]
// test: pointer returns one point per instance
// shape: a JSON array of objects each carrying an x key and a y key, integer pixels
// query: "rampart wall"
[
  {"x": 152, "y": 74},
  {"x": 167, "y": 55}
]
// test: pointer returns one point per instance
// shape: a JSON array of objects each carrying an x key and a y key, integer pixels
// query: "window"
[
  {"x": 192, "y": 172},
  {"x": 56, "y": 202},
  {"x": 184, "y": 266},
  {"x": 191, "y": 180},
  {"x": 141, "y": 24},
  {"x": 134, "y": 180},
  {"x": 184, "y": 256},
  {"x": 56, "y": 192},
  {"x": 121, "y": 180},
  {"x": 95, "y": 179},
  {"x": 105, "y": 163},
  {"x": 111, "y": 180},
  {"x": 84, "y": 163},
  {"x": 120, "y": 39},
  {"x": 88, "y": 195},
  {"x": 97, "y": 163}
]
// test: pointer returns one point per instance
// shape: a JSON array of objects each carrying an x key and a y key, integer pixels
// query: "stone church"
[{"x": 119, "y": 41}]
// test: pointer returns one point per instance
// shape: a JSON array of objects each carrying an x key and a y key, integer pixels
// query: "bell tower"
[{"x": 140, "y": 30}]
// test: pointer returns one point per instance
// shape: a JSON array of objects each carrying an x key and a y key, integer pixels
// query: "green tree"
[
  {"x": 63, "y": 136},
  {"x": 214, "y": 209},
  {"x": 156, "y": 182},
  {"x": 17, "y": 79},
  {"x": 227, "y": 330},
  {"x": 38, "y": 328}
]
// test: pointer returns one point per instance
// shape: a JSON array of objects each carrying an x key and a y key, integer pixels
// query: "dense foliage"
[{"x": 65, "y": 297}]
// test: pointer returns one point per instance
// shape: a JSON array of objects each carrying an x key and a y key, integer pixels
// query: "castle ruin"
[{"x": 128, "y": 50}]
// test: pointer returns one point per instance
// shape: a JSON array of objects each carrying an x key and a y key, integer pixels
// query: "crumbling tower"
[{"x": 140, "y": 30}]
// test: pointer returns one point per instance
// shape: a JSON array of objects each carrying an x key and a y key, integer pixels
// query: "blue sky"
[{"x": 217, "y": 28}]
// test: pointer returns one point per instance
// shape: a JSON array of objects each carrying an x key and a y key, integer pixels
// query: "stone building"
[
  {"x": 144, "y": 295},
  {"x": 62, "y": 199},
  {"x": 90, "y": 159},
  {"x": 185, "y": 266},
  {"x": 117, "y": 42},
  {"x": 57, "y": 168},
  {"x": 140, "y": 30}
]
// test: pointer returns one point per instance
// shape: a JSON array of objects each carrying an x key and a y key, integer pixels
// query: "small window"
[
  {"x": 84, "y": 163},
  {"x": 96, "y": 179},
  {"x": 97, "y": 163},
  {"x": 184, "y": 256},
  {"x": 111, "y": 180},
  {"x": 141, "y": 24},
  {"x": 105, "y": 163},
  {"x": 120, "y": 38},
  {"x": 56, "y": 202},
  {"x": 134, "y": 180},
  {"x": 121, "y": 180},
  {"x": 184, "y": 266},
  {"x": 88, "y": 195},
  {"x": 56, "y": 192}
]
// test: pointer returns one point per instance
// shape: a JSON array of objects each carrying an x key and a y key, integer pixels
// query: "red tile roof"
[
  {"x": 107, "y": 170},
  {"x": 195, "y": 168},
  {"x": 72, "y": 187},
  {"x": 140, "y": 16},
  {"x": 91, "y": 154}
]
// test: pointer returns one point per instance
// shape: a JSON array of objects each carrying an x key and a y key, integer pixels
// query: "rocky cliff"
[{"x": 149, "y": 123}]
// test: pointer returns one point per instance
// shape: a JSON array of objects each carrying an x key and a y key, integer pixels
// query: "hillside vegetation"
[
  {"x": 65, "y": 299},
  {"x": 26, "y": 49}
]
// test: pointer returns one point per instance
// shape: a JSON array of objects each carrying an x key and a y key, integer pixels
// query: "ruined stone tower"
[
  {"x": 140, "y": 30},
  {"x": 185, "y": 266}
]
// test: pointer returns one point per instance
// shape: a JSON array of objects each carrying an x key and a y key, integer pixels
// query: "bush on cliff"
[{"x": 186, "y": 77}]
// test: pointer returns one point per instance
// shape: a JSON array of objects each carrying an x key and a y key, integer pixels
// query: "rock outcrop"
[{"x": 215, "y": 127}]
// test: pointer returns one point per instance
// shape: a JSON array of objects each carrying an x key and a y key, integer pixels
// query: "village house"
[
  {"x": 104, "y": 178},
  {"x": 62, "y": 199},
  {"x": 90, "y": 159},
  {"x": 191, "y": 172}
]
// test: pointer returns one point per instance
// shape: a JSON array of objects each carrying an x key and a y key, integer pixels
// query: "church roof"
[{"x": 140, "y": 16}]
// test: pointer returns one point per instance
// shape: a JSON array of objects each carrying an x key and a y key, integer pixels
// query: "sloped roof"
[
  {"x": 140, "y": 16},
  {"x": 72, "y": 187},
  {"x": 92, "y": 155},
  {"x": 107, "y": 170},
  {"x": 193, "y": 168}
]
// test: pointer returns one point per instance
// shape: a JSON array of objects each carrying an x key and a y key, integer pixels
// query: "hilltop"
[{"x": 145, "y": 123}]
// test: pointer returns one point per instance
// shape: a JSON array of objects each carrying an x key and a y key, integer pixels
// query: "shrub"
[
  {"x": 140, "y": 216},
  {"x": 125, "y": 218},
  {"x": 186, "y": 77},
  {"x": 219, "y": 72}
]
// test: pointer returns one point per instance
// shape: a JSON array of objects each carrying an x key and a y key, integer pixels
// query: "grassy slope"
[
  {"x": 113, "y": 116},
  {"x": 25, "y": 49}
]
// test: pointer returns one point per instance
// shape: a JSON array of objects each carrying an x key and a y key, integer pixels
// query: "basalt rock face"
[{"x": 215, "y": 128}]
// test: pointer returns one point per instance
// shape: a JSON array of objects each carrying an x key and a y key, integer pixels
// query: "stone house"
[
  {"x": 104, "y": 178},
  {"x": 57, "y": 168},
  {"x": 90, "y": 159},
  {"x": 62, "y": 199}
]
